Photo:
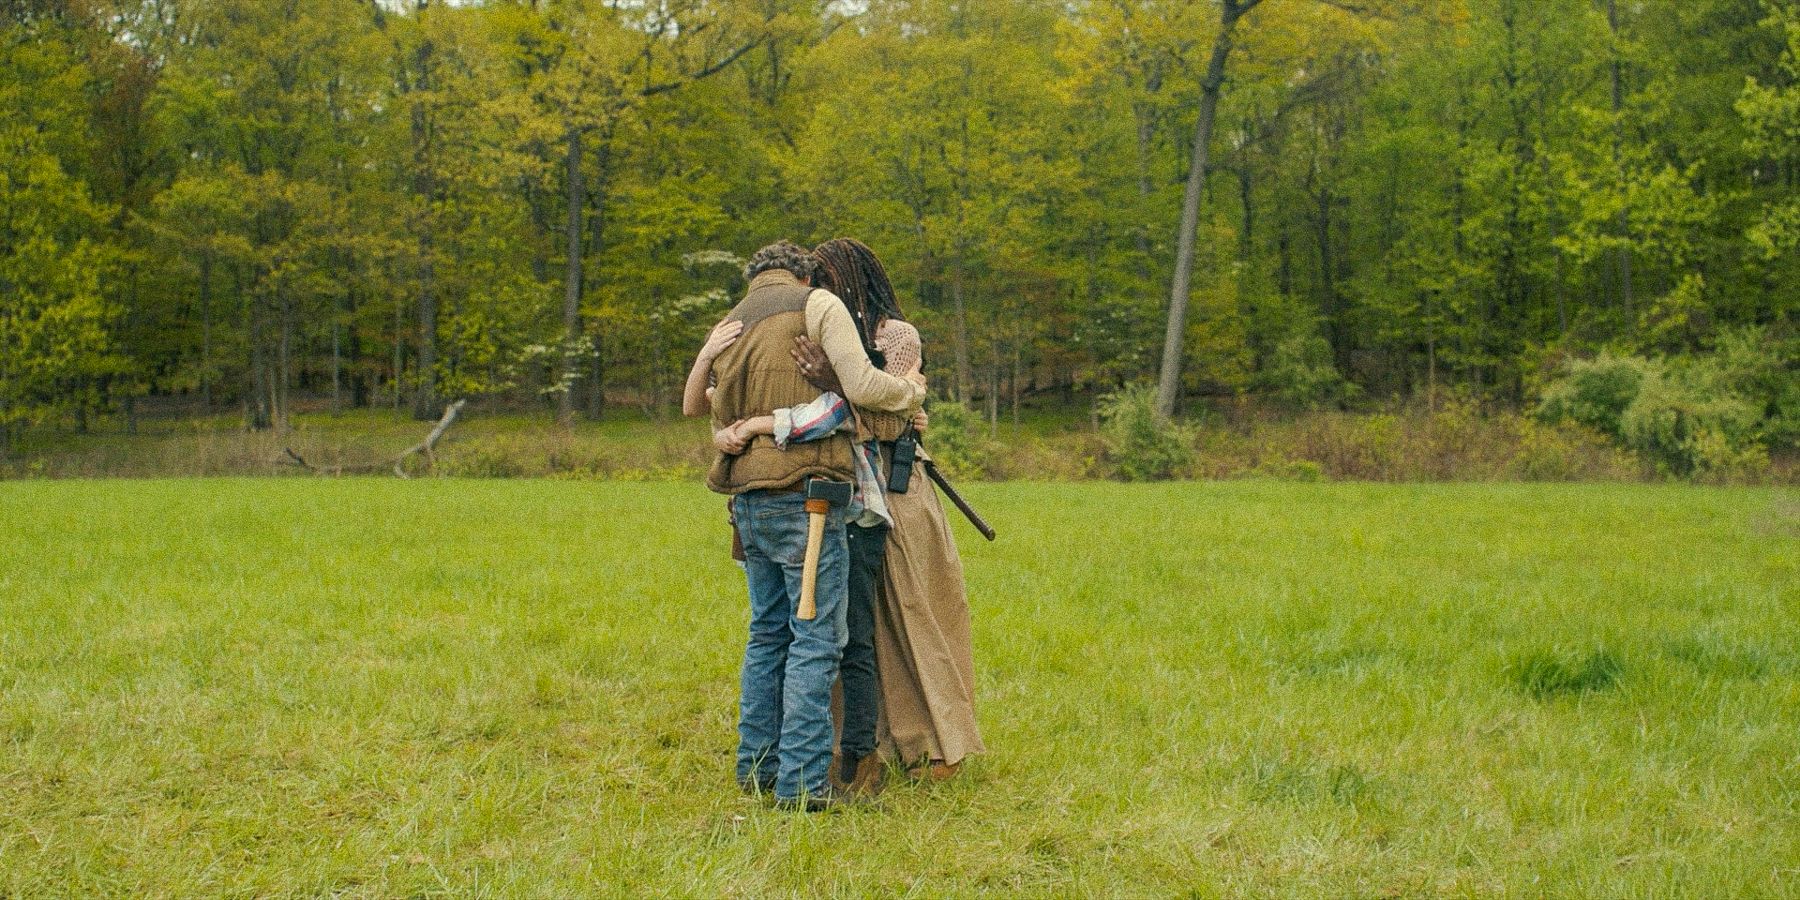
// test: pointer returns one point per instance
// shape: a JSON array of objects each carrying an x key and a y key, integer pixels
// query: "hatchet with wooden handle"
[{"x": 821, "y": 496}]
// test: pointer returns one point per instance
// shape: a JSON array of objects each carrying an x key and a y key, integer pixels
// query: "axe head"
[{"x": 836, "y": 493}]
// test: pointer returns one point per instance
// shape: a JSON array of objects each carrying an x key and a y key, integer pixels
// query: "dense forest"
[{"x": 233, "y": 205}]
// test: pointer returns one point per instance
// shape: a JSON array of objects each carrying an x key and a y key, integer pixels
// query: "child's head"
[{"x": 899, "y": 344}]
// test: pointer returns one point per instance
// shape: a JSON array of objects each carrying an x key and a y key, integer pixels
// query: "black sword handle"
[{"x": 975, "y": 519}]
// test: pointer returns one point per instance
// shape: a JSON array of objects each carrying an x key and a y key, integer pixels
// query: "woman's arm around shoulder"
[{"x": 829, "y": 324}]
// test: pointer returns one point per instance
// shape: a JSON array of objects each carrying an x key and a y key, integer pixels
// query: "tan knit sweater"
[{"x": 900, "y": 343}]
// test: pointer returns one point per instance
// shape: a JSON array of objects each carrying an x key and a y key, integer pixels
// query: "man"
[{"x": 784, "y": 723}]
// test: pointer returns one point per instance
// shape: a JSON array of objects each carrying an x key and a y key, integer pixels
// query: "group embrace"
[{"x": 814, "y": 385}]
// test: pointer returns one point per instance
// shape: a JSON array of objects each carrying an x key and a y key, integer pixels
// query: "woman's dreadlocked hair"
[{"x": 849, "y": 269}]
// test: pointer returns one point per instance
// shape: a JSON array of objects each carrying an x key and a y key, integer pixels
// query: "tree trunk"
[
  {"x": 1284, "y": 258},
  {"x": 1015, "y": 383},
  {"x": 337, "y": 364},
  {"x": 596, "y": 387},
  {"x": 1618, "y": 106},
  {"x": 659, "y": 351},
  {"x": 1246, "y": 197},
  {"x": 278, "y": 388},
  {"x": 353, "y": 349},
  {"x": 1146, "y": 132},
  {"x": 959, "y": 254},
  {"x": 1458, "y": 202},
  {"x": 1431, "y": 370},
  {"x": 1327, "y": 270},
  {"x": 399, "y": 347},
  {"x": 256, "y": 394},
  {"x": 993, "y": 393},
  {"x": 960, "y": 311},
  {"x": 206, "y": 393},
  {"x": 1168, "y": 385},
  {"x": 425, "y": 399},
  {"x": 1562, "y": 284},
  {"x": 569, "y": 370}
]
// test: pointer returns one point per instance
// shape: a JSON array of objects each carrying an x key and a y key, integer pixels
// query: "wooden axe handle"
[{"x": 809, "y": 576}]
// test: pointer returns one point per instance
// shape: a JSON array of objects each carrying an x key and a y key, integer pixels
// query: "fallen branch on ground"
[
  {"x": 426, "y": 447},
  {"x": 431, "y": 439}
]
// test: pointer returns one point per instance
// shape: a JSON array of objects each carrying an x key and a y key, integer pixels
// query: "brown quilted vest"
[{"x": 755, "y": 377}]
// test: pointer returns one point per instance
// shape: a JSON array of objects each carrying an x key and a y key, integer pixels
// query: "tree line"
[{"x": 234, "y": 203}]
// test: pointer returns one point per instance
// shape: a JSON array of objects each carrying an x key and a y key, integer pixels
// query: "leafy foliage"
[
  {"x": 56, "y": 347},
  {"x": 389, "y": 203},
  {"x": 1689, "y": 420},
  {"x": 1596, "y": 392},
  {"x": 954, "y": 440},
  {"x": 1693, "y": 415},
  {"x": 1145, "y": 445},
  {"x": 1300, "y": 372}
]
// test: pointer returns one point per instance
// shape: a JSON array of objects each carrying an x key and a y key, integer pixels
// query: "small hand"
[
  {"x": 916, "y": 374},
  {"x": 921, "y": 421},
  {"x": 722, "y": 336},
  {"x": 814, "y": 365},
  {"x": 729, "y": 441}
]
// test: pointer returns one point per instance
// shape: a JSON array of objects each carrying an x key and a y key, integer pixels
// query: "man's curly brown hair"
[{"x": 782, "y": 255}]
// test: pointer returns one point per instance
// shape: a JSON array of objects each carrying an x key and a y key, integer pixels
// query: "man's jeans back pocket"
[{"x": 783, "y": 533}]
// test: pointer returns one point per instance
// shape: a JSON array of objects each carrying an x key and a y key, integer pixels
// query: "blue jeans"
[{"x": 784, "y": 717}]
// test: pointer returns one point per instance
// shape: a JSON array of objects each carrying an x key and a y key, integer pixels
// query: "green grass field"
[{"x": 527, "y": 688}]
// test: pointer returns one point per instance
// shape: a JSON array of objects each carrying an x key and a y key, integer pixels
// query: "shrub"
[
  {"x": 1299, "y": 372},
  {"x": 1565, "y": 453},
  {"x": 1691, "y": 424},
  {"x": 1596, "y": 392},
  {"x": 953, "y": 439},
  {"x": 1766, "y": 372},
  {"x": 1693, "y": 417},
  {"x": 1351, "y": 446},
  {"x": 1145, "y": 446}
]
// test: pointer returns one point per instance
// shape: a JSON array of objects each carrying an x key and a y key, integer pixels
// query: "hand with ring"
[{"x": 815, "y": 366}]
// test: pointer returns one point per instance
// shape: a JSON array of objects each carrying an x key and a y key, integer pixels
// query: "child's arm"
[
  {"x": 755, "y": 425},
  {"x": 696, "y": 399},
  {"x": 818, "y": 418},
  {"x": 822, "y": 417}
]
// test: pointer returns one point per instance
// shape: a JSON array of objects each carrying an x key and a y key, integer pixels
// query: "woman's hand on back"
[{"x": 815, "y": 366}]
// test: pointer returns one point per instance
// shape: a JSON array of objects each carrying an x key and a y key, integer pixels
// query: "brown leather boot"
[
  {"x": 839, "y": 775},
  {"x": 943, "y": 771},
  {"x": 868, "y": 778}
]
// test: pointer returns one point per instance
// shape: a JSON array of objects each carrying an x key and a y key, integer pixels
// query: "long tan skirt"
[{"x": 922, "y": 635}]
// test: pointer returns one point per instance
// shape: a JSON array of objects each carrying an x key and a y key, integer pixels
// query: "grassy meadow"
[{"x": 375, "y": 687}]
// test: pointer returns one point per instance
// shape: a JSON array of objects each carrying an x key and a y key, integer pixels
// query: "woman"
[{"x": 923, "y": 651}]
